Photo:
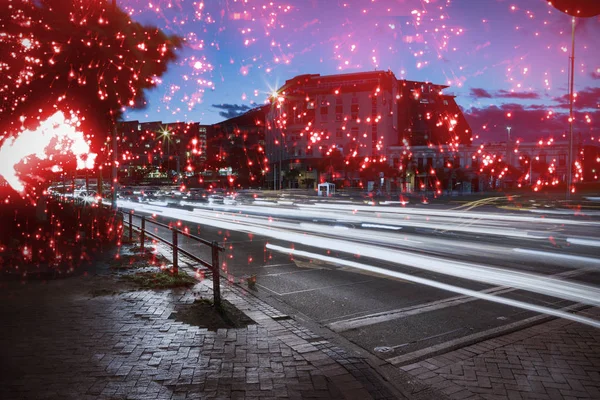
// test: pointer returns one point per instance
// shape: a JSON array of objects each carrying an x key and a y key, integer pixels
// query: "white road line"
[
  {"x": 443, "y": 286},
  {"x": 325, "y": 287},
  {"x": 376, "y": 318}
]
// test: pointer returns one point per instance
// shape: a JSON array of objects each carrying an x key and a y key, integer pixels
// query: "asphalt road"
[{"x": 396, "y": 280}]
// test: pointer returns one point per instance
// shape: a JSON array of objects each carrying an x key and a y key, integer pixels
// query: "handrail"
[
  {"x": 214, "y": 245},
  {"x": 197, "y": 238},
  {"x": 213, "y": 266}
]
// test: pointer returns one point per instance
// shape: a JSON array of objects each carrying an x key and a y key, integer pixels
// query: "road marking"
[
  {"x": 427, "y": 338},
  {"x": 384, "y": 316},
  {"x": 325, "y": 287},
  {"x": 444, "y": 286},
  {"x": 584, "y": 242},
  {"x": 376, "y": 318},
  {"x": 443, "y": 348},
  {"x": 276, "y": 265}
]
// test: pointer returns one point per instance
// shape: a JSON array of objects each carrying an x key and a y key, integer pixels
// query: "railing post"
[
  {"x": 216, "y": 270},
  {"x": 142, "y": 233},
  {"x": 175, "y": 266},
  {"x": 130, "y": 226}
]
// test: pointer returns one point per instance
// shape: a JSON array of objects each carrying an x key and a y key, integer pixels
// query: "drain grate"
[{"x": 383, "y": 349}]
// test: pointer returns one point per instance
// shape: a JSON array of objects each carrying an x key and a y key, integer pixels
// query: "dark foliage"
[{"x": 76, "y": 55}]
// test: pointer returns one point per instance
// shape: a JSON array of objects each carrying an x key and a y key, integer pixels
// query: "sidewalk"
[
  {"x": 90, "y": 337},
  {"x": 74, "y": 339},
  {"x": 558, "y": 359}
]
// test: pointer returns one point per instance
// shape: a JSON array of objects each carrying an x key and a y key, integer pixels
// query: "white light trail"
[
  {"x": 584, "y": 242},
  {"x": 477, "y": 272},
  {"x": 439, "y": 285}
]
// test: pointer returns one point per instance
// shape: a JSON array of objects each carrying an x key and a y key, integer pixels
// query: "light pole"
[
  {"x": 508, "y": 128},
  {"x": 571, "y": 78},
  {"x": 114, "y": 170}
]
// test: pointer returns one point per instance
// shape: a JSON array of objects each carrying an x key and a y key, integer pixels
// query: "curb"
[
  {"x": 475, "y": 338},
  {"x": 356, "y": 377}
]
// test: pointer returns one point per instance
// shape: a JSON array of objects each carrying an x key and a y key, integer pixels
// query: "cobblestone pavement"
[
  {"x": 554, "y": 360},
  {"x": 68, "y": 339}
]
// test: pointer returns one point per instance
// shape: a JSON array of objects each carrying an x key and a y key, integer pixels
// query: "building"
[
  {"x": 359, "y": 116},
  {"x": 236, "y": 151},
  {"x": 487, "y": 166},
  {"x": 157, "y": 149}
]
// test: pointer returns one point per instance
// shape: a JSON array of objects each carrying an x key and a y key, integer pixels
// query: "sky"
[{"x": 506, "y": 61}]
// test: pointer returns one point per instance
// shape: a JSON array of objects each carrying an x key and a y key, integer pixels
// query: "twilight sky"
[{"x": 505, "y": 60}]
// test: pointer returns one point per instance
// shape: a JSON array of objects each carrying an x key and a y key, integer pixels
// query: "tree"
[{"x": 77, "y": 56}]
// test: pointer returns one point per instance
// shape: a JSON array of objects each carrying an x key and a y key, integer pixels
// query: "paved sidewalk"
[
  {"x": 555, "y": 360},
  {"x": 67, "y": 339}
]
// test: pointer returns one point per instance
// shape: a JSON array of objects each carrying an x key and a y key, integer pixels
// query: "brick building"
[{"x": 360, "y": 115}]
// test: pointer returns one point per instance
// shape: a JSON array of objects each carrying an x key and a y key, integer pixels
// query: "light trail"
[
  {"x": 584, "y": 242},
  {"x": 471, "y": 271},
  {"x": 439, "y": 285},
  {"x": 391, "y": 219}
]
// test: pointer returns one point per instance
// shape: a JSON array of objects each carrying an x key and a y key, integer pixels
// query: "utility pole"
[
  {"x": 115, "y": 160},
  {"x": 571, "y": 78},
  {"x": 508, "y": 128}
]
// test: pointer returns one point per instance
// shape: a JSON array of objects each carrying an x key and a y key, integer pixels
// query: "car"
[{"x": 215, "y": 199}]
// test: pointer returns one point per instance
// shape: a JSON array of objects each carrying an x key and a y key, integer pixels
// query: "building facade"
[
  {"x": 487, "y": 166},
  {"x": 359, "y": 116},
  {"x": 156, "y": 149}
]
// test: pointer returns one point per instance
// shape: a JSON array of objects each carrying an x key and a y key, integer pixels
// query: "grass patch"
[
  {"x": 134, "y": 261},
  {"x": 160, "y": 280}
]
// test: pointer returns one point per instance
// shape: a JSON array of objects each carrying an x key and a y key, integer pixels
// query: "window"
[
  {"x": 354, "y": 133},
  {"x": 420, "y": 164},
  {"x": 354, "y": 108},
  {"x": 562, "y": 160},
  {"x": 324, "y": 111},
  {"x": 339, "y": 133},
  {"x": 339, "y": 110}
]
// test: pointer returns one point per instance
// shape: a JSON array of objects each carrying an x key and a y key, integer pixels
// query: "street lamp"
[
  {"x": 114, "y": 170},
  {"x": 581, "y": 9},
  {"x": 508, "y": 128}
]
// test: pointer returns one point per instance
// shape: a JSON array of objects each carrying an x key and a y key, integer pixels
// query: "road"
[{"x": 398, "y": 280}]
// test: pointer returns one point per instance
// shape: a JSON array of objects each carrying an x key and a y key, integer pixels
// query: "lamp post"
[
  {"x": 508, "y": 128},
  {"x": 571, "y": 78},
  {"x": 114, "y": 170},
  {"x": 580, "y": 9}
]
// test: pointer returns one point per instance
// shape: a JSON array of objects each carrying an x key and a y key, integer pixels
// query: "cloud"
[
  {"x": 231, "y": 110},
  {"x": 586, "y": 99},
  {"x": 516, "y": 95},
  {"x": 595, "y": 74},
  {"x": 480, "y": 93},
  {"x": 530, "y": 122}
]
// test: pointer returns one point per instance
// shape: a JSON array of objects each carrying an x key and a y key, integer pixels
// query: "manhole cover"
[{"x": 383, "y": 349}]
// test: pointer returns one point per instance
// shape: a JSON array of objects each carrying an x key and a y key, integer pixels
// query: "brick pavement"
[
  {"x": 58, "y": 340},
  {"x": 555, "y": 360}
]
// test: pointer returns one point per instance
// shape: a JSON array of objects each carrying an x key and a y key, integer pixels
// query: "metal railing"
[{"x": 213, "y": 265}]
